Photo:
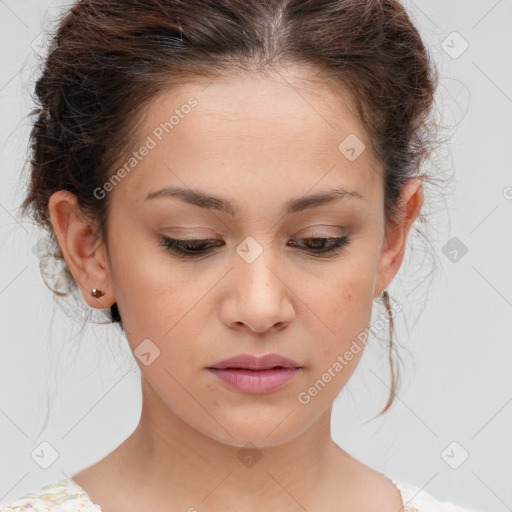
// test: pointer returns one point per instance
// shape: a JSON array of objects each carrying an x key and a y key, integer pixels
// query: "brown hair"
[{"x": 109, "y": 57}]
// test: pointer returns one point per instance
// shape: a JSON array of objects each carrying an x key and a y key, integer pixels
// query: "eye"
[
  {"x": 192, "y": 248},
  {"x": 188, "y": 248},
  {"x": 334, "y": 244}
]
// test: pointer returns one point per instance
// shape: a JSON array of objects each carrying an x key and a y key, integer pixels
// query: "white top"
[{"x": 67, "y": 496}]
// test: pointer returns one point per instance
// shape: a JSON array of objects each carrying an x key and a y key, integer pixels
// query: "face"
[{"x": 260, "y": 269}]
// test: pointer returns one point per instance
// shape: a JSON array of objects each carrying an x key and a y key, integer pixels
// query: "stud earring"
[{"x": 97, "y": 293}]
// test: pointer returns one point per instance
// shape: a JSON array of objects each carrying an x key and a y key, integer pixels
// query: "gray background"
[{"x": 455, "y": 398}]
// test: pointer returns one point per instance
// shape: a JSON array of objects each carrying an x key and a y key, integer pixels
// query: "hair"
[{"x": 108, "y": 58}]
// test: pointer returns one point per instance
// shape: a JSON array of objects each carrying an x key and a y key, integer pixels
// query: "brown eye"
[
  {"x": 334, "y": 244},
  {"x": 188, "y": 248}
]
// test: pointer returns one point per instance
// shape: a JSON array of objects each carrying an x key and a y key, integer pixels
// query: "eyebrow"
[{"x": 204, "y": 200}]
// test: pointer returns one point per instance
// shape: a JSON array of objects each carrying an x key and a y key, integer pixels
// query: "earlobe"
[
  {"x": 410, "y": 203},
  {"x": 83, "y": 251}
]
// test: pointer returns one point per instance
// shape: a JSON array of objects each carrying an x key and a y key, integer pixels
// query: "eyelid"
[
  {"x": 319, "y": 232},
  {"x": 202, "y": 232}
]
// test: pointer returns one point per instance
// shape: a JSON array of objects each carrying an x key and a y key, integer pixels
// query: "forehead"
[{"x": 255, "y": 134}]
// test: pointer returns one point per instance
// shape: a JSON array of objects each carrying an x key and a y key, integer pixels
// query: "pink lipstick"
[{"x": 256, "y": 374}]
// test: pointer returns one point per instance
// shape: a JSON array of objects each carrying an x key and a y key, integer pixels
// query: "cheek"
[
  {"x": 340, "y": 300},
  {"x": 336, "y": 311},
  {"x": 342, "y": 312},
  {"x": 164, "y": 311},
  {"x": 153, "y": 295}
]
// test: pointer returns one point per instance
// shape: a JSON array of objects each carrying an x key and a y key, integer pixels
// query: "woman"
[{"x": 235, "y": 182}]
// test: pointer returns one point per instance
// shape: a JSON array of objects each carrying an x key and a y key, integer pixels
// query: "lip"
[
  {"x": 250, "y": 362},
  {"x": 255, "y": 374}
]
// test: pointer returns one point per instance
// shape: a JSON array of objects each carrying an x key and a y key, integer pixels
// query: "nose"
[{"x": 258, "y": 297}]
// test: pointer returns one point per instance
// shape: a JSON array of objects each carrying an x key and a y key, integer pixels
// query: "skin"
[{"x": 257, "y": 141}]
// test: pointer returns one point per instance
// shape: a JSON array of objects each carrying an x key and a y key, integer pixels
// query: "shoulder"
[
  {"x": 417, "y": 500},
  {"x": 62, "y": 496}
]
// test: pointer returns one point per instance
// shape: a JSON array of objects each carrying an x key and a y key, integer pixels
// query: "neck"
[{"x": 169, "y": 461}]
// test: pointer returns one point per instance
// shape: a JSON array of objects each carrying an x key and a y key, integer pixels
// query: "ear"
[
  {"x": 84, "y": 253},
  {"x": 410, "y": 202}
]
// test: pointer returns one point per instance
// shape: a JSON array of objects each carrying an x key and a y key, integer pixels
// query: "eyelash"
[{"x": 179, "y": 247}]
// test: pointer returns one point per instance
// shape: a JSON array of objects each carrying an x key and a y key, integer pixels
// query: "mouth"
[{"x": 255, "y": 374}]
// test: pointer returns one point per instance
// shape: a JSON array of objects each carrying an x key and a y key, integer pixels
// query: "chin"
[{"x": 264, "y": 432}]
